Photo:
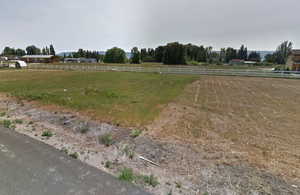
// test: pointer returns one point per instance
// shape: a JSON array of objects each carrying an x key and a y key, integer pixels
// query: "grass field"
[{"x": 125, "y": 98}]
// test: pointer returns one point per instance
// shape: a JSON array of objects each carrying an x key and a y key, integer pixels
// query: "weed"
[
  {"x": 65, "y": 150},
  {"x": 106, "y": 139},
  {"x": 47, "y": 134},
  {"x": 30, "y": 123},
  {"x": 151, "y": 180},
  {"x": 108, "y": 164},
  {"x": 84, "y": 129},
  {"x": 74, "y": 155},
  {"x": 206, "y": 193},
  {"x": 178, "y": 184},
  {"x": 7, "y": 123},
  {"x": 128, "y": 152},
  {"x": 2, "y": 114},
  {"x": 18, "y": 121},
  {"x": 135, "y": 133},
  {"x": 127, "y": 175}
]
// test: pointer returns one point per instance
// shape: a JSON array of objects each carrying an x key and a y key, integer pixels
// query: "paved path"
[{"x": 28, "y": 167}]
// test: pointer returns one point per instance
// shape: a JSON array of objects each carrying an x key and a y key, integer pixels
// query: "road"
[{"x": 28, "y": 167}]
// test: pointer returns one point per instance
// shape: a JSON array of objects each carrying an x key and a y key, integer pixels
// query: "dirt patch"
[{"x": 237, "y": 119}]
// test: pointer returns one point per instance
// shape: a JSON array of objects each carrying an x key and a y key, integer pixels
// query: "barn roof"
[{"x": 38, "y": 56}]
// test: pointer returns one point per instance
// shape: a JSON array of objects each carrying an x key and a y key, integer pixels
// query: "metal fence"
[{"x": 172, "y": 70}]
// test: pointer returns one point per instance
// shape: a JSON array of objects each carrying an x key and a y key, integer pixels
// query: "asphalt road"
[{"x": 28, "y": 167}]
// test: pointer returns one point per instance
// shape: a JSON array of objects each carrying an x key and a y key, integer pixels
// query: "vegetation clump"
[
  {"x": 151, "y": 180},
  {"x": 74, "y": 155},
  {"x": 47, "y": 134},
  {"x": 135, "y": 133},
  {"x": 127, "y": 175},
  {"x": 106, "y": 139}
]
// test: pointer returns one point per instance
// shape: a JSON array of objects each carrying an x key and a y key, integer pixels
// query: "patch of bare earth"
[
  {"x": 235, "y": 121},
  {"x": 224, "y": 135}
]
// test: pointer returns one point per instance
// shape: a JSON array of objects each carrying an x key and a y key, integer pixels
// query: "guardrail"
[{"x": 172, "y": 70}]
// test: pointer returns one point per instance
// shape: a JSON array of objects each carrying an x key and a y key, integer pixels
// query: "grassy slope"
[{"x": 126, "y": 98}]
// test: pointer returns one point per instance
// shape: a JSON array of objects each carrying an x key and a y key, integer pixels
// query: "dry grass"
[{"x": 249, "y": 119}]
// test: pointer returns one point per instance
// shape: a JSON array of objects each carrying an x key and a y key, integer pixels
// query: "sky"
[{"x": 103, "y": 24}]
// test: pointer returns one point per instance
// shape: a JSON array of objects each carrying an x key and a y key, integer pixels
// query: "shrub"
[
  {"x": 135, "y": 133},
  {"x": 108, "y": 164},
  {"x": 106, "y": 139},
  {"x": 2, "y": 114},
  {"x": 74, "y": 155},
  {"x": 7, "y": 123},
  {"x": 127, "y": 175},
  {"x": 18, "y": 121},
  {"x": 84, "y": 129},
  {"x": 47, "y": 134},
  {"x": 151, "y": 180}
]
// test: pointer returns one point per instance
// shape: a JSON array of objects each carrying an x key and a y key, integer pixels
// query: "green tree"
[
  {"x": 8, "y": 51},
  {"x": 254, "y": 56},
  {"x": 136, "y": 56},
  {"x": 20, "y": 52},
  {"x": 115, "y": 55},
  {"x": 282, "y": 52},
  {"x": 230, "y": 54},
  {"x": 33, "y": 50},
  {"x": 52, "y": 50},
  {"x": 175, "y": 53},
  {"x": 159, "y": 53},
  {"x": 242, "y": 53}
]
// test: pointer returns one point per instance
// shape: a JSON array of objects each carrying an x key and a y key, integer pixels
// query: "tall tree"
[
  {"x": 33, "y": 50},
  {"x": 242, "y": 53},
  {"x": 159, "y": 53},
  {"x": 230, "y": 54},
  {"x": 254, "y": 56},
  {"x": 175, "y": 53},
  {"x": 20, "y": 52},
  {"x": 115, "y": 55},
  {"x": 283, "y": 51},
  {"x": 136, "y": 56},
  {"x": 52, "y": 50},
  {"x": 9, "y": 51}
]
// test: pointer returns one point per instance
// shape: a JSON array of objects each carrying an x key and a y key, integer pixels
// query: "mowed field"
[
  {"x": 127, "y": 99},
  {"x": 234, "y": 119}
]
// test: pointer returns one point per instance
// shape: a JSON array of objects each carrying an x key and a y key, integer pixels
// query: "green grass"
[
  {"x": 127, "y": 175},
  {"x": 118, "y": 97},
  {"x": 47, "y": 134}
]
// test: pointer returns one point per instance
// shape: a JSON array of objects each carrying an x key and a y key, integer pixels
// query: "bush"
[
  {"x": 47, "y": 134},
  {"x": 194, "y": 63},
  {"x": 127, "y": 175},
  {"x": 18, "y": 121},
  {"x": 151, "y": 180},
  {"x": 135, "y": 133},
  {"x": 106, "y": 139},
  {"x": 7, "y": 123},
  {"x": 74, "y": 155}
]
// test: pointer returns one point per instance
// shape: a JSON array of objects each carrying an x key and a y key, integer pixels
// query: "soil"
[{"x": 203, "y": 142}]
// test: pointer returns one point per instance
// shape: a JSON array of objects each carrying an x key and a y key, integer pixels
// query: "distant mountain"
[{"x": 67, "y": 53}]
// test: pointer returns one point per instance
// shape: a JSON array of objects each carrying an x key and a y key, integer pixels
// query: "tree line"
[
  {"x": 172, "y": 53},
  {"x": 30, "y": 50},
  {"x": 176, "y": 53}
]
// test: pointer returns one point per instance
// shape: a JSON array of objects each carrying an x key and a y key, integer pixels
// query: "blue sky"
[{"x": 102, "y": 24}]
